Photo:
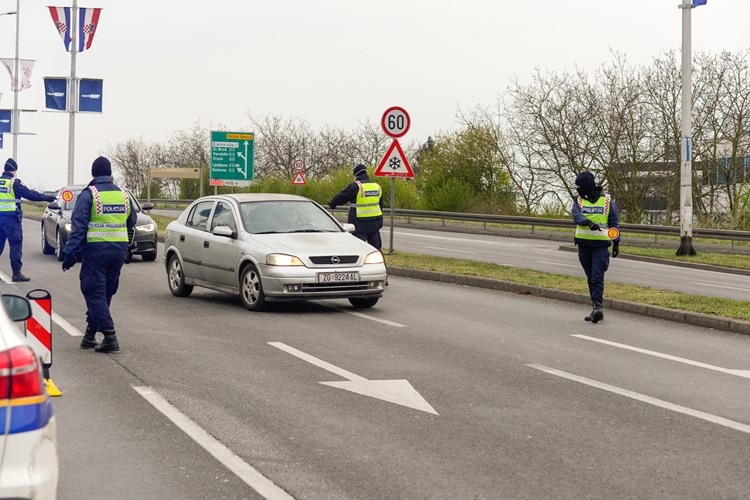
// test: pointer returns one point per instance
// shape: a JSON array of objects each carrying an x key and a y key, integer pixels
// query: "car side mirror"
[
  {"x": 147, "y": 206},
  {"x": 349, "y": 227},
  {"x": 17, "y": 307},
  {"x": 224, "y": 231},
  {"x": 53, "y": 206}
]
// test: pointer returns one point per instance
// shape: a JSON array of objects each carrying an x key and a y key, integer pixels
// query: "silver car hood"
[{"x": 314, "y": 243}]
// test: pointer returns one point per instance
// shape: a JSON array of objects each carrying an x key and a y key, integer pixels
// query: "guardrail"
[{"x": 533, "y": 222}]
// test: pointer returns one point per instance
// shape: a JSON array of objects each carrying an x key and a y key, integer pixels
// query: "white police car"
[{"x": 28, "y": 436}]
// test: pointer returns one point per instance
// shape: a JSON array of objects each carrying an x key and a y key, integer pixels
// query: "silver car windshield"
[{"x": 268, "y": 217}]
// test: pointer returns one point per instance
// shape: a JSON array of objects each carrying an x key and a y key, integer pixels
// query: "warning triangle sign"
[
  {"x": 298, "y": 179},
  {"x": 394, "y": 163}
]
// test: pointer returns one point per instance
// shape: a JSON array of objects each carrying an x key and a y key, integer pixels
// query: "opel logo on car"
[{"x": 335, "y": 259}]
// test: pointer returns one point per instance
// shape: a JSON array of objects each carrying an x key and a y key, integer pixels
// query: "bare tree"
[{"x": 132, "y": 160}]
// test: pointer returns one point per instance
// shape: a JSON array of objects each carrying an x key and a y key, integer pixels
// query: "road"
[{"x": 483, "y": 394}]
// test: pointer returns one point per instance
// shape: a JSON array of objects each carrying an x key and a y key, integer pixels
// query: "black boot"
[
  {"x": 591, "y": 314},
  {"x": 597, "y": 314},
  {"x": 109, "y": 344},
  {"x": 89, "y": 338},
  {"x": 18, "y": 276}
]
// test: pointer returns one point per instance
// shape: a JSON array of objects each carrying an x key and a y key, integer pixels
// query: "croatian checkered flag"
[
  {"x": 61, "y": 18},
  {"x": 88, "y": 22}
]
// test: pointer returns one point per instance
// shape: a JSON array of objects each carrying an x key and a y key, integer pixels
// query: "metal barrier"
[{"x": 656, "y": 231}]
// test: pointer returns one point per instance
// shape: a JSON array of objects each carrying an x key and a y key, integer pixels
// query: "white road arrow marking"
[
  {"x": 399, "y": 392},
  {"x": 730, "y": 371}
]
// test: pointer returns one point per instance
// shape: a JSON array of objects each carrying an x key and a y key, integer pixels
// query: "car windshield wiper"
[
  {"x": 310, "y": 231},
  {"x": 269, "y": 232}
]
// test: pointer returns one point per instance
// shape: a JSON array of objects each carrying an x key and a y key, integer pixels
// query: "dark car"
[{"x": 56, "y": 226}]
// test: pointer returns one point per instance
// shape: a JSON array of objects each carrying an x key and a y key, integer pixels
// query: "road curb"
[{"x": 690, "y": 318}]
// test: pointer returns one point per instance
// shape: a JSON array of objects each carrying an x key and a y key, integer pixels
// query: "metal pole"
[
  {"x": 686, "y": 170},
  {"x": 16, "y": 62},
  {"x": 393, "y": 213},
  {"x": 72, "y": 94}
]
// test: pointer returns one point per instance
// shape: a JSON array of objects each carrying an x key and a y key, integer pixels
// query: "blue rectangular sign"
[
  {"x": 56, "y": 93},
  {"x": 90, "y": 95},
  {"x": 5, "y": 115}
]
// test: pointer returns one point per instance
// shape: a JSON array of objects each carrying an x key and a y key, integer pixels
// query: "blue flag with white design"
[{"x": 697, "y": 3}]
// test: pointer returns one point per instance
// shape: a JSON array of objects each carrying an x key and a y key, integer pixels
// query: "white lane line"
[
  {"x": 557, "y": 263},
  {"x": 5, "y": 279},
  {"x": 715, "y": 419},
  {"x": 363, "y": 316},
  {"x": 722, "y": 286},
  {"x": 449, "y": 249},
  {"x": 450, "y": 238},
  {"x": 257, "y": 481},
  {"x": 318, "y": 362},
  {"x": 739, "y": 373},
  {"x": 72, "y": 330}
]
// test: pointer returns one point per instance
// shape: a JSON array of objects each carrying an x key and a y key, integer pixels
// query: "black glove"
[
  {"x": 594, "y": 226},
  {"x": 68, "y": 262},
  {"x": 616, "y": 249},
  {"x": 50, "y": 199}
]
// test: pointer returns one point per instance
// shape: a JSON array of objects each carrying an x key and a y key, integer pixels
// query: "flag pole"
[
  {"x": 72, "y": 93},
  {"x": 16, "y": 62},
  {"x": 686, "y": 170}
]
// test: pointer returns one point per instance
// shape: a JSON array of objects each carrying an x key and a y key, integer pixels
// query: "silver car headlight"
[
  {"x": 374, "y": 258},
  {"x": 146, "y": 228},
  {"x": 280, "y": 259}
]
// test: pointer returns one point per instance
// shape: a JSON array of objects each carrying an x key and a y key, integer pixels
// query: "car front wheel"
[
  {"x": 47, "y": 249},
  {"x": 251, "y": 289},
  {"x": 363, "y": 302},
  {"x": 176, "y": 278},
  {"x": 59, "y": 248}
]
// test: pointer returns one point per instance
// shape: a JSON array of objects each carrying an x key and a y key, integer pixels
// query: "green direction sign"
[{"x": 231, "y": 158}]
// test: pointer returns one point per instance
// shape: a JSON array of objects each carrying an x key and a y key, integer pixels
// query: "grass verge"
[{"x": 726, "y": 308}]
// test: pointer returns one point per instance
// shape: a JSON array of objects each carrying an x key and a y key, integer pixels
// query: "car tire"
[
  {"x": 363, "y": 302},
  {"x": 251, "y": 289},
  {"x": 176, "y": 278},
  {"x": 47, "y": 249},
  {"x": 60, "y": 244},
  {"x": 149, "y": 257}
]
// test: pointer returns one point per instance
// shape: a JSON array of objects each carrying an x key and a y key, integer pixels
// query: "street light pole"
[
  {"x": 15, "y": 114},
  {"x": 686, "y": 170}
]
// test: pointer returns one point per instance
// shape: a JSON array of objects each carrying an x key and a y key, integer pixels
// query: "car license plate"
[{"x": 337, "y": 277}]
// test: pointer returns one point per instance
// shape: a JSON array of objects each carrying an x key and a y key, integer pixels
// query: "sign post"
[
  {"x": 231, "y": 158},
  {"x": 395, "y": 123}
]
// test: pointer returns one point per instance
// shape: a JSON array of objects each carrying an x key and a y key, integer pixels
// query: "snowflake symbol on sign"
[{"x": 394, "y": 163}]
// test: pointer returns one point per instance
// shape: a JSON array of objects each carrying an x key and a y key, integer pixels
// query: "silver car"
[{"x": 270, "y": 247}]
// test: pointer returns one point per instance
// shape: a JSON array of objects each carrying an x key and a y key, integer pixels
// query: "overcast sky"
[{"x": 167, "y": 64}]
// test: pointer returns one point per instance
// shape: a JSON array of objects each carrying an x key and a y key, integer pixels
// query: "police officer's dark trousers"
[
  {"x": 595, "y": 261},
  {"x": 12, "y": 231},
  {"x": 100, "y": 277}
]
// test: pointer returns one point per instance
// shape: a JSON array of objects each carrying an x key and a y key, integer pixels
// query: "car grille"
[
  {"x": 335, "y": 287},
  {"x": 329, "y": 259},
  {"x": 145, "y": 246}
]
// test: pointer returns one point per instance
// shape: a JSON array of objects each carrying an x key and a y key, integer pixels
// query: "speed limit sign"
[
  {"x": 395, "y": 122},
  {"x": 299, "y": 165}
]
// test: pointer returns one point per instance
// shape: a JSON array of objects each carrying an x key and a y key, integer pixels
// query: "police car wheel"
[
  {"x": 363, "y": 302},
  {"x": 251, "y": 289},
  {"x": 176, "y": 278}
]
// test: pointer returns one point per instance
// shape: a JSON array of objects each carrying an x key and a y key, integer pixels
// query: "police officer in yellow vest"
[
  {"x": 366, "y": 209},
  {"x": 594, "y": 213},
  {"x": 12, "y": 190},
  {"x": 102, "y": 216}
]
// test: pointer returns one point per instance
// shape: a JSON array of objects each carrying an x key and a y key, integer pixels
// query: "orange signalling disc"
[
  {"x": 613, "y": 233},
  {"x": 67, "y": 195}
]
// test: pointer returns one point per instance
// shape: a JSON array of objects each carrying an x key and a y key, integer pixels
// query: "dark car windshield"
[
  {"x": 70, "y": 205},
  {"x": 264, "y": 217}
]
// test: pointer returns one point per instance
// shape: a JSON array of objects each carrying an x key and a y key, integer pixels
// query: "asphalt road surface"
[{"x": 438, "y": 392}]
